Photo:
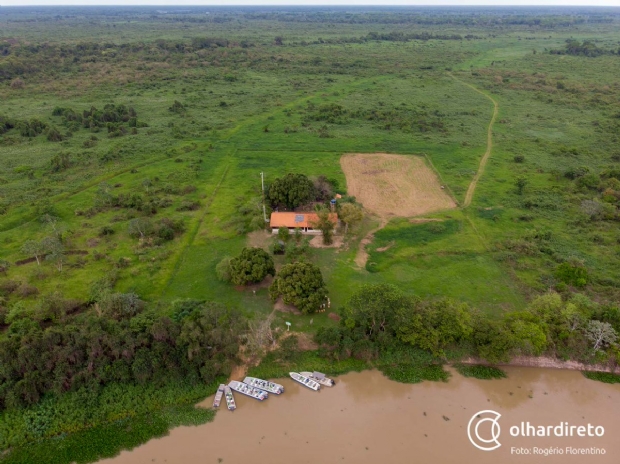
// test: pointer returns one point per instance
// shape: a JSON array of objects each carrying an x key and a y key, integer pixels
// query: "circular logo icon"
[{"x": 484, "y": 438}]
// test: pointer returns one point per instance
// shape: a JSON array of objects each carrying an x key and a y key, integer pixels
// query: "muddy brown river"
[{"x": 367, "y": 418}]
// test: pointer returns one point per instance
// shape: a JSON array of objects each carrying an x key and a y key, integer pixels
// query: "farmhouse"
[{"x": 302, "y": 221}]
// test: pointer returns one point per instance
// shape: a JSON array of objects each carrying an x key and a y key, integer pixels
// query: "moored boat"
[
  {"x": 218, "y": 396},
  {"x": 305, "y": 381},
  {"x": 248, "y": 390},
  {"x": 319, "y": 377},
  {"x": 265, "y": 385},
  {"x": 230, "y": 399}
]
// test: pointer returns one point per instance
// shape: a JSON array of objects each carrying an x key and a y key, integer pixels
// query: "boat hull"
[
  {"x": 230, "y": 399},
  {"x": 218, "y": 396},
  {"x": 325, "y": 381},
  {"x": 264, "y": 385},
  {"x": 248, "y": 390},
  {"x": 305, "y": 381}
]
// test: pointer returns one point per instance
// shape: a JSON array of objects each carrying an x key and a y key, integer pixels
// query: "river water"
[{"x": 367, "y": 418}]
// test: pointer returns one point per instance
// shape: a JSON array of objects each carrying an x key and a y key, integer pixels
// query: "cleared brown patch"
[
  {"x": 394, "y": 185},
  {"x": 362, "y": 255},
  {"x": 259, "y": 239},
  {"x": 266, "y": 283},
  {"x": 279, "y": 305},
  {"x": 317, "y": 242},
  {"x": 385, "y": 248},
  {"x": 334, "y": 317},
  {"x": 304, "y": 342},
  {"x": 92, "y": 242}
]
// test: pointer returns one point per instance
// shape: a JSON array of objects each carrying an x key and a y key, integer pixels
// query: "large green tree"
[
  {"x": 251, "y": 266},
  {"x": 529, "y": 332},
  {"x": 493, "y": 341},
  {"x": 34, "y": 248},
  {"x": 435, "y": 325},
  {"x": 325, "y": 225},
  {"x": 373, "y": 309},
  {"x": 351, "y": 215},
  {"x": 290, "y": 191},
  {"x": 301, "y": 285}
]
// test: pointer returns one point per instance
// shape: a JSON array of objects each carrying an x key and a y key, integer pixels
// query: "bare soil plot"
[
  {"x": 317, "y": 242},
  {"x": 394, "y": 185},
  {"x": 259, "y": 239}
]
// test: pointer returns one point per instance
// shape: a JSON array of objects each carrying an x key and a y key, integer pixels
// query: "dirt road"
[{"x": 483, "y": 162}]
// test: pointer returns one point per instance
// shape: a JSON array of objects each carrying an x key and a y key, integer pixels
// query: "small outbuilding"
[{"x": 305, "y": 222}]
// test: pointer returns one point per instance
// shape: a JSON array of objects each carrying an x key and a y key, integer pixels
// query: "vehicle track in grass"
[
  {"x": 194, "y": 231},
  {"x": 487, "y": 154}
]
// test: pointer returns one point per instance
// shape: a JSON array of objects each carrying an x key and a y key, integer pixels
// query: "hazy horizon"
[{"x": 171, "y": 3}]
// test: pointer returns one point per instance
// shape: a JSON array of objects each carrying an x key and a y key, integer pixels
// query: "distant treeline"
[
  {"x": 398, "y": 117},
  {"x": 435, "y": 18},
  {"x": 117, "y": 118},
  {"x": 25, "y": 59},
  {"x": 585, "y": 48},
  {"x": 391, "y": 37}
]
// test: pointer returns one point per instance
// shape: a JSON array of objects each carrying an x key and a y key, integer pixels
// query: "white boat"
[
  {"x": 265, "y": 385},
  {"x": 230, "y": 399},
  {"x": 218, "y": 396},
  {"x": 305, "y": 381},
  {"x": 319, "y": 377},
  {"x": 248, "y": 390}
]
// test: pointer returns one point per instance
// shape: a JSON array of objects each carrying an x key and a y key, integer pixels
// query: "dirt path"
[
  {"x": 391, "y": 186},
  {"x": 483, "y": 162},
  {"x": 362, "y": 255}
]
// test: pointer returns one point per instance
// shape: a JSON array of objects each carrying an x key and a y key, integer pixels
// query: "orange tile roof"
[{"x": 298, "y": 219}]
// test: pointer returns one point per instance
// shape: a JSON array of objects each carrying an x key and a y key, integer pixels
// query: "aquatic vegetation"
[{"x": 480, "y": 371}]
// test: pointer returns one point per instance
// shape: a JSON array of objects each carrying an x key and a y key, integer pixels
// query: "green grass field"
[{"x": 251, "y": 105}]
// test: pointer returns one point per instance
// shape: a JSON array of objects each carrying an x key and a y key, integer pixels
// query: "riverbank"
[
  {"x": 547, "y": 363},
  {"x": 367, "y": 418},
  {"x": 156, "y": 419},
  {"x": 86, "y": 426}
]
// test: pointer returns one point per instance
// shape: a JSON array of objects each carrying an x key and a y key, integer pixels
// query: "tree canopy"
[
  {"x": 198, "y": 346},
  {"x": 300, "y": 284},
  {"x": 350, "y": 214},
  {"x": 251, "y": 266},
  {"x": 290, "y": 191}
]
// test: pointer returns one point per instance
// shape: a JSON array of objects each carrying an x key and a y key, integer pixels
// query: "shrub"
[
  {"x": 572, "y": 273},
  {"x": 283, "y": 234},
  {"x": 106, "y": 230},
  {"x": 223, "y": 269},
  {"x": 165, "y": 233},
  {"x": 25, "y": 290}
]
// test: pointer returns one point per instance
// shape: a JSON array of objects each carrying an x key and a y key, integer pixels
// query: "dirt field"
[{"x": 394, "y": 185}]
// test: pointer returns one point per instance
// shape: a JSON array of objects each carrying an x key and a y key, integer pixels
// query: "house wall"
[{"x": 291, "y": 230}]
